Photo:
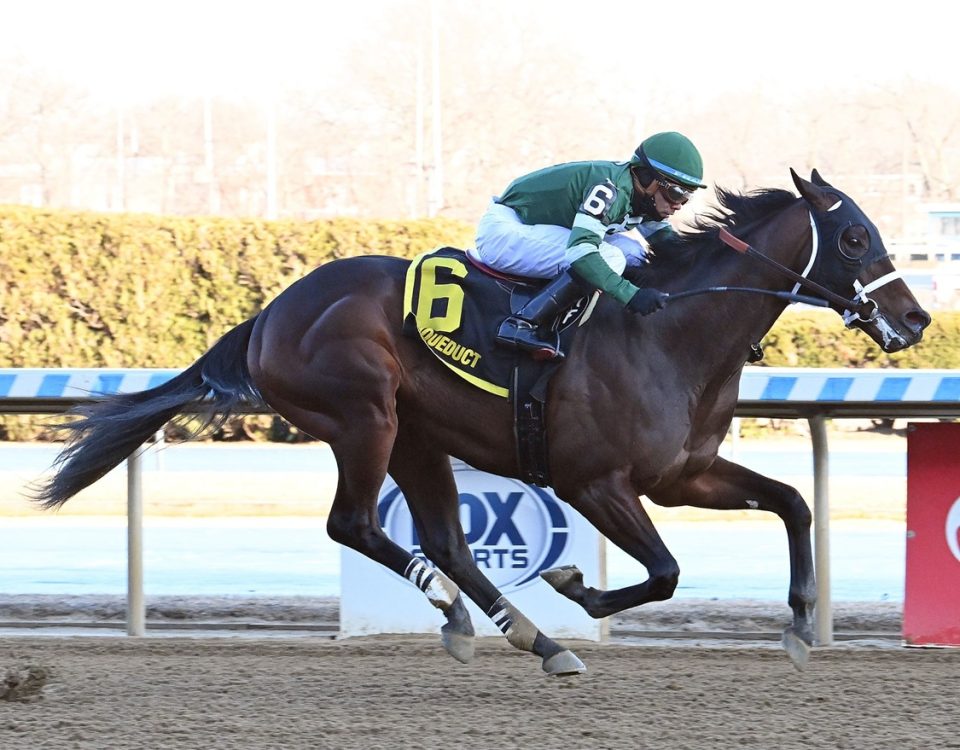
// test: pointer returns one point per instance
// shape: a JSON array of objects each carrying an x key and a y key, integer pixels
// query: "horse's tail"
[{"x": 108, "y": 430}]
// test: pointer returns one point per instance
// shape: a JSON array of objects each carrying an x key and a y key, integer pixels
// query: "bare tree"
[
  {"x": 47, "y": 131},
  {"x": 357, "y": 140}
]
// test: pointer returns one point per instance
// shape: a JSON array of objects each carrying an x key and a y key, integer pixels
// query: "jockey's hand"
[{"x": 647, "y": 301}]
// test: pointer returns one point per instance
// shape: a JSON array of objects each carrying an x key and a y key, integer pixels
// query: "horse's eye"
[{"x": 854, "y": 242}]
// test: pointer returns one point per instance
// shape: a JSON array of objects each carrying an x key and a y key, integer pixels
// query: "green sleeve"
[{"x": 593, "y": 269}]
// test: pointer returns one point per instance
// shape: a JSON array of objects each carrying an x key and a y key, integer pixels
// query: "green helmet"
[{"x": 673, "y": 156}]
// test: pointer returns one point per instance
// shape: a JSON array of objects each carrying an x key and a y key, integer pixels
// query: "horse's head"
[{"x": 850, "y": 259}]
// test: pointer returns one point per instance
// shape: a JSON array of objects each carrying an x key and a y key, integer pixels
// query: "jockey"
[{"x": 571, "y": 223}]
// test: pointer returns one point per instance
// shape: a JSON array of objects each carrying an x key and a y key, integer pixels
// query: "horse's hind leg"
[
  {"x": 426, "y": 480},
  {"x": 362, "y": 452}
]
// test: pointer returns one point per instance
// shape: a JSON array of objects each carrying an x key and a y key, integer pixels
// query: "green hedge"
[
  {"x": 818, "y": 339},
  {"x": 125, "y": 290},
  {"x": 129, "y": 290}
]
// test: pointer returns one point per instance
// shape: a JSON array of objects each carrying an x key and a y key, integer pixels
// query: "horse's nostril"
[{"x": 916, "y": 319}]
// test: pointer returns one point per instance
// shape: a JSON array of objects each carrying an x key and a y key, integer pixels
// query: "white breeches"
[{"x": 540, "y": 250}]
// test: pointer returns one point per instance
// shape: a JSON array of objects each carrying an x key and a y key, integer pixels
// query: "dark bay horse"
[{"x": 640, "y": 407}]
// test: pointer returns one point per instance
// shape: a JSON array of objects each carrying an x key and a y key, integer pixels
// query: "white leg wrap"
[
  {"x": 520, "y": 632},
  {"x": 440, "y": 590}
]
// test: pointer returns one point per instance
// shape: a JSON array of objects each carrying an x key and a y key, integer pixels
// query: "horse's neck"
[
  {"x": 693, "y": 342},
  {"x": 706, "y": 338},
  {"x": 784, "y": 237},
  {"x": 717, "y": 332}
]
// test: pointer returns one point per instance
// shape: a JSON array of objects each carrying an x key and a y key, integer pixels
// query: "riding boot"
[{"x": 522, "y": 329}]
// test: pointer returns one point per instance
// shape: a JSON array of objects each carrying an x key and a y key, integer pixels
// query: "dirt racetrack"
[{"x": 106, "y": 693}]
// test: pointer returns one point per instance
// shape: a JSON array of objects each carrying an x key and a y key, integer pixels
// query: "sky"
[{"x": 135, "y": 49}]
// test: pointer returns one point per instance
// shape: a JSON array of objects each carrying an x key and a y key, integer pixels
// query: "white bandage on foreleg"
[
  {"x": 440, "y": 590},
  {"x": 520, "y": 632}
]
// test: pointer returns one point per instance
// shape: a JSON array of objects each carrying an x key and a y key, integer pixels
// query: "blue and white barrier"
[
  {"x": 80, "y": 383},
  {"x": 764, "y": 391},
  {"x": 839, "y": 386},
  {"x": 42, "y": 390}
]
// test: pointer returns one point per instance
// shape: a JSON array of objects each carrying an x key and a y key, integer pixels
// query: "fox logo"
[{"x": 514, "y": 530}]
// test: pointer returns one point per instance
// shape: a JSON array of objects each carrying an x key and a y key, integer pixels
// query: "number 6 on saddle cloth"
[{"x": 454, "y": 306}]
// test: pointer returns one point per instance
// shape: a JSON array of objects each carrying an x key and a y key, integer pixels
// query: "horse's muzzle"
[
  {"x": 907, "y": 331},
  {"x": 915, "y": 321}
]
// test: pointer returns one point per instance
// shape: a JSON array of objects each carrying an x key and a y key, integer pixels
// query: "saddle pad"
[{"x": 455, "y": 309}]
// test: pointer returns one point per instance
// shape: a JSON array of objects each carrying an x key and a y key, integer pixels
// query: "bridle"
[
  {"x": 859, "y": 309},
  {"x": 851, "y": 314}
]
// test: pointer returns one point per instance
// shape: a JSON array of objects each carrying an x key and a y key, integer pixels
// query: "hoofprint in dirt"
[{"x": 117, "y": 693}]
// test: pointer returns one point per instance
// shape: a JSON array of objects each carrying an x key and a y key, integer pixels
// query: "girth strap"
[{"x": 528, "y": 393}]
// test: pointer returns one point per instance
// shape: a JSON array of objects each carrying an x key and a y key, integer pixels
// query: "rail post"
[
  {"x": 821, "y": 528},
  {"x": 136, "y": 611}
]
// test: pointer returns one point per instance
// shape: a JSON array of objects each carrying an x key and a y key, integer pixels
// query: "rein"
[
  {"x": 853, "y": 306},
  {"x": 787, "y": 296}
]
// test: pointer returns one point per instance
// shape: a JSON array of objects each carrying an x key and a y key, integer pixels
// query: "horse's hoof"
[
  {"x": 457, "y": 634},
  {"x": 459, "y": 645},
  {"x": 796, "y": 647},
  {"x": 563, "y": 663},
  {"x": 561, "y": 577}
]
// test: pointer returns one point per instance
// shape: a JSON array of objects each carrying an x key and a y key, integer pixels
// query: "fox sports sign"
[{"x": 514, "y": 530}]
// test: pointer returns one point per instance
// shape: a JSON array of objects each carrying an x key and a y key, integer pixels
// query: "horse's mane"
[{"x": 698, "y": 245}]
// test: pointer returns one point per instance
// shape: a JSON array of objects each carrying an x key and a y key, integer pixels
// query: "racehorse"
[{"x": 640, "y": 407}]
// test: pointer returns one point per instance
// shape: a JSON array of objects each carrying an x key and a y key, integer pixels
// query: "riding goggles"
[{"x": 674, "y": 193}]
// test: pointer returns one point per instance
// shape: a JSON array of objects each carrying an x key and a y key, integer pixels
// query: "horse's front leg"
[
  {"x": 423, "y": 473},
  {"x": 729, "y": 486},
  {"x": 614, "y": 509}
]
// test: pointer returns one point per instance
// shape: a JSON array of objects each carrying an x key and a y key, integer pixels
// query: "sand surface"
[
  {"x": 113, "y": 693},
  {"x": 683, "y": 674}
]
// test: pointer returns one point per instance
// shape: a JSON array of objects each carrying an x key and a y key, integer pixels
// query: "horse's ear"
[
  {"x": 818, "y": 180},
  {"x": 798, "y": 180},
  {"x": 812, "y": 193}
]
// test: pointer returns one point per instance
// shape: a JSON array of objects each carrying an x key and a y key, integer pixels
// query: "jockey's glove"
[{"x": 647, "y": 301}]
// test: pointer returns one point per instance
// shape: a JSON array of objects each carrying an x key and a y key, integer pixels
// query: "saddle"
[{"x": 454, "y": 305}]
